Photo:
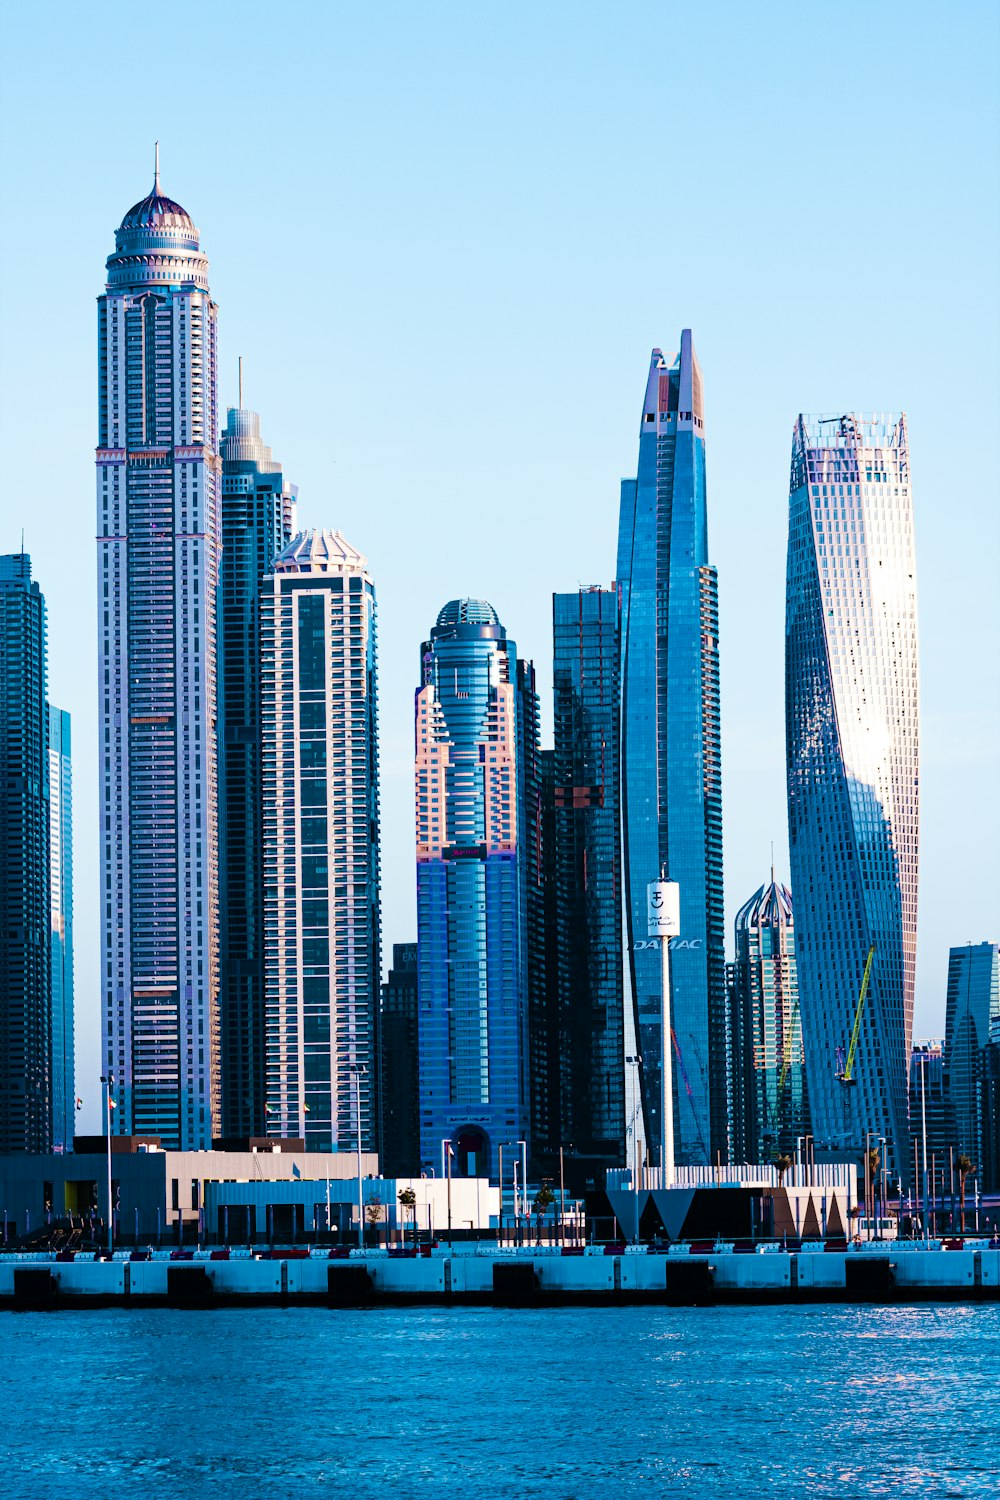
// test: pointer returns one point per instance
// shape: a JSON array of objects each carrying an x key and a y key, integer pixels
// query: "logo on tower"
[{"x": 663, "y": 908}]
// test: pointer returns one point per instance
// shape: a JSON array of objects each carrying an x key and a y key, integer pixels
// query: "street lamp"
[
  {"x": 107, "y": 1080},
  {"x": 356, "y": 1071},
  {"x": 447, "y": 1152}
]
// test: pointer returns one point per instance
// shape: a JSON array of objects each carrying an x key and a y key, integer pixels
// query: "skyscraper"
[
  {"x": 322, "y": 963},
  {"x": 588, "y": 877},
  {"x": 852, "y": 760},
  {"x": 671, "y": 811},
  {"x": 25, "y": 938},
  {"x": 400, "y": 1073},
  {"x": 158, "y": 571},
  {"x": 61, "y": 930},
  {"x": 476, "y": 846},
  {"x": 258, "y": 516},
  {"x": 972, "y": 1012},
  {"x": 770, "y": 1106}
]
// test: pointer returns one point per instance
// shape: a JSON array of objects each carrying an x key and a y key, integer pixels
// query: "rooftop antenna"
[
  {"x": 772, "y": 861},
  {"x": 156, "y": 167},
  {"x": 241, "y": 382}
]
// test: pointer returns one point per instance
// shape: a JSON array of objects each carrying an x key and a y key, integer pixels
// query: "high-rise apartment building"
[
  {"x": 769, "y": 1098},
  {"x": 61, "y": 929},
  {"x": 258, "y": 520},
  {"x": 400, "y": 1071},
  {"x": 25, "y": 937},
  {"x": 588, "y": 875},
  {"x": 477, "y": 849},
  {"x": 928, "y": 1108},
  {"x": 671, "y": 814},
  {"x": 972, "y": 1012},
  {"x": 319, "y": 736},
  {"x": 158, "y": 539},
  {"x": 851, "y": 708}
]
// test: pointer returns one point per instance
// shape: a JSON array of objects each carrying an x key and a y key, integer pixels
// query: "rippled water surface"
[{"x": 809, "y": 1401}]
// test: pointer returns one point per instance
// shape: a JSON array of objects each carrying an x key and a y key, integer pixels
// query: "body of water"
[{"x": 567, "y": 1403}]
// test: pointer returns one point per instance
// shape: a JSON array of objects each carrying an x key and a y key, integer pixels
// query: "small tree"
[
  {"x": 544, "y": 1199},
  {"x": 964, "y": 1165},
  {"x": 781, "y": 1166},
  {"x": 408, "y": 1199},
  {"x": 373, "y": 1214}
]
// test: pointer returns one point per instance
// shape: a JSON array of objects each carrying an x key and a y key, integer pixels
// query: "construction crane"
[
  {"x": 847, "y": 1076},
  {"x": 786, "y": 1061}
]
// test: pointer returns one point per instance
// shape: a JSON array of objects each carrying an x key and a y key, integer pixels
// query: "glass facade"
[
  {"x": 25, "y": 920},
  {"x": 587, "y": 874},
  {"x": 972, "y": 1015},
  {"x": 258, "y": 519},
  {"x": 851, "y": 705},
  {"x": 671, "y": 814},
  {"x": 158, "y": 544},
  {"x": 478, "y": 881},
  {"x": 322, "y": 963},
  {"x": 769, "y": 1100},
  {"x": 61, "y": 906},
  {"x": 400, "y": 1081}
]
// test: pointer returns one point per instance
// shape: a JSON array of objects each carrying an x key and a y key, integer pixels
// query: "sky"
[{"x": 444, "y": 238}]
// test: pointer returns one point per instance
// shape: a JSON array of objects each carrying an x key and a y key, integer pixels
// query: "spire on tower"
[
  {"x": 156, "y": 167},
  {"x": 241, "y": 384}
]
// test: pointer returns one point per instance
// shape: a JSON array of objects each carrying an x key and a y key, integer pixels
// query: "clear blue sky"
[{"x": 445, "y": 237}]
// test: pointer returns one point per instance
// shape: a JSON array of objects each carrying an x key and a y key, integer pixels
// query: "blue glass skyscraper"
[
  {"x": 258, "y": 515},
  {"x": 25, "y": 933},
  {"x": 851, "y": 720},
  {"x": 588, "y": 876},
  {"x": 670, "y": 765},
  {"x": 61, "y": 907},
  {"x": 972, "y": 1016},
  {"x": 477, "y": 846}
]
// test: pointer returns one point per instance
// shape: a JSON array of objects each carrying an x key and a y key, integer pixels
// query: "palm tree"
[
  {"x": 964, "y": 1165},
  {"x": 874, "y": 1161},
  {"x": 781, "y": 1166},
  {"x": 408, "y": 1199},
  {"x": 544, "y": 1199}
]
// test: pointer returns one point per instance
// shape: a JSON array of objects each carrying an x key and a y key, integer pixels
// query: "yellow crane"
[{"x": 847, "y": 1076}]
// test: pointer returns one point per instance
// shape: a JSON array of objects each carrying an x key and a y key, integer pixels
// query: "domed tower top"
[
  {"x": 157, "y": 244},
  {"x": 468, "y": 617}
]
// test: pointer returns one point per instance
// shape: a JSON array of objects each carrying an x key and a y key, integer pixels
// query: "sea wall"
[{"x": 892, "y": 1273}]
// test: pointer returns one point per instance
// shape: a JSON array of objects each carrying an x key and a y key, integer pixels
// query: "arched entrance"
[{"x": 472, "y": 1152}]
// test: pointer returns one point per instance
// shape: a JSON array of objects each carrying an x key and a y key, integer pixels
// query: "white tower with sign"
[{"x": 663, "y": 921}]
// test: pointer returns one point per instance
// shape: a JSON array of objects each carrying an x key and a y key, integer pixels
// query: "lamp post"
[
  {"x": 107, "y": 1080},
  {"x": 447, "y": 1152},
  {"x": 523, "y": 1147},
  {"x": 356, "y": 1071},
  {"x": 923, "y": 1128}
]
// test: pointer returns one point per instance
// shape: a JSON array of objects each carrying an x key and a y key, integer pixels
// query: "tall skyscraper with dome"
[
  {"x": 478, "y": 887},
  {"x": 158, "y": 545}
]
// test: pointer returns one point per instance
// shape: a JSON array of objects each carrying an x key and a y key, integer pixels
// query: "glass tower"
[
  {"x": 477, "y": 864},
  {"x": 158, "y": 539},
  {"x": 671, "y": 814},
  {"x": 588, "y": 878},
  {"x": 972, "y": 1013},
  {"x": 25, "y": 921},
  {"x": 770, "y": 1108},
  {"x": 61, "y": 893},
  {"x": 851, "y": 712},
  {"x": 319, "y": 735},
  {"x": 400, "y": 1082},
  {"x": 258, "y": 520}
]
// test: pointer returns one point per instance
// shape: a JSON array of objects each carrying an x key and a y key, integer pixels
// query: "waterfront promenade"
[{"x": 695, "y": 1274}]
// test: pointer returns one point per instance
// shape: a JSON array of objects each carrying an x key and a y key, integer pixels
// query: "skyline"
[{"x": 385, "y": 478}]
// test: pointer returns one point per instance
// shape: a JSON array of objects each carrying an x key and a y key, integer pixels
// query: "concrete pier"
[{"x": 896, "y": 1272}]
